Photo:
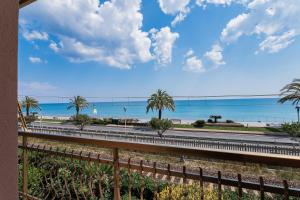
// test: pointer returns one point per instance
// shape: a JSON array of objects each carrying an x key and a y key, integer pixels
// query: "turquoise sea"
[{"x": 249, "y": 110}]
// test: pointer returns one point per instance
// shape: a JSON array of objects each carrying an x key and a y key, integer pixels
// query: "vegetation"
[
  {"x": 79, "y": 103},
  {"x": 30, "y": 102},
  {"x": 81, "y": 120},
  {"x": 230, "y": 128},
  {"x": 160, "y": 101},
  {"x": 29, "y": 119},
  {"x": 215, "y": 118},
  {"x": 160, "y": 125},
  {"x": 54, "y": 177},
  {"x": 291, "y": 92},
  {"x": 199, "y": 123},
  {"x": 96, "y": 121},
  {"x": 292, "y": 128}
]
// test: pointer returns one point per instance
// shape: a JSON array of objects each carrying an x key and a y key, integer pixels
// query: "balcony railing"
[{"x": 51, "y": 170}]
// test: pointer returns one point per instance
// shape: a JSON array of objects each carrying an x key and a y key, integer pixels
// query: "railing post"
[
  {"x": 25, "y": 168},
  {"x": 116, "y": 174}
]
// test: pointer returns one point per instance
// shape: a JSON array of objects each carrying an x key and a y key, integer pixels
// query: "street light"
[{"x": 125, "y": 110}]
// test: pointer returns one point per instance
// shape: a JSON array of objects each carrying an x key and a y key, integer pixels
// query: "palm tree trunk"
[
  {"x": 298, "y": 109},
  {"x": 159, "y": 114},
  {"x": 27, "y": 111},
  {"x": 77, "y": 112}
]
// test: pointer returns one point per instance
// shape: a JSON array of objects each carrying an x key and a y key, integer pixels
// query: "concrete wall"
[{"x": 8, "y": 96}]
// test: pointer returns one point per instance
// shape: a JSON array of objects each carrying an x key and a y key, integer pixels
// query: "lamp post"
[
  {"x": 125, "y": 110},
  {"x": 298, "y": 110}
]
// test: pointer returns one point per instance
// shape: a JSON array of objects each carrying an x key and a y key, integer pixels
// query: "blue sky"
[{"x": 133, "y": 47}]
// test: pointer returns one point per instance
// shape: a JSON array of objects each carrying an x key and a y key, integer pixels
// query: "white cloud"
[
  {"x": 215, "y": 55},
  {"x": 85, "y": 30},
  {"x": 175, "y": 7},
  {"x": 276, "y": 22},
  {"x": 163, "y": 42},
  {"x": 204, "y": 3},
  {"x": 192, "y": 63},
  {"x": 35, "y": 60},
  {"x": 35, "y": 35},
  {"x": 274, "y": 44},
  {"x": 181, "y": 16}
]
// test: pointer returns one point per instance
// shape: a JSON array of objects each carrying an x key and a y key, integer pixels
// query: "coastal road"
[{"x": 201, "y": 134}]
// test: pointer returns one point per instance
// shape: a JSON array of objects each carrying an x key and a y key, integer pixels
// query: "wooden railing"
[
  {"x": 292, "y": 149},
  {"x": 155, "y": 170}
]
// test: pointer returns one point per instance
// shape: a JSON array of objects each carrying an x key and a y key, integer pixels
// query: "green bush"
[
  {"x": 210, "y": 121},
  {"x": 96, "y": 121},
  {"x": 160, "y": 125},
  {"x": 199, "y": 123},
  {"x": 81, "y": 120},
  {"x": 229, "y": 121},
  {"x": 292, "y": 128},
  {"x": 29, "y": 119}
]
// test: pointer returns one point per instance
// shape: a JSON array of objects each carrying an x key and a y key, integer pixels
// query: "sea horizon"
[{"x": 239, "y": 109}]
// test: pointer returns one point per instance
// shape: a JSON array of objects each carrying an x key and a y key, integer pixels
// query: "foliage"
[
  {"x": 229, "y": 121},
  {"x": 291, "y": 92},
  {"x": 199, "y": 123},
  {"x": 30, "y": 118},
  {"x": 30, "y": 102},
  {"x": 79, "y": 103},
  {"x": 160, "y": 125},
  {"x": 215, "y": 118},
  {"x": 96, "y": 121},
  {"x": 159, "y": 101},
  {"x": 81, "y": 120},
  {"x": 191, "y": 192},
  {"x": 292, "y": 128},
  {"x": 210, "y": 121}
]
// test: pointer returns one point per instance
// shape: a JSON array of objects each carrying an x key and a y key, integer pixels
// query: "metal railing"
[
  {"x": 291, "y": 149},
  {"x": 79, "y": 165}
]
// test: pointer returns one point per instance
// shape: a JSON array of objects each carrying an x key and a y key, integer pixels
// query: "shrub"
[
  {"x": 229, "y": 121},
  {"x": 81, "y": 120},
  {"x": 160, "y": 125},
  {"x": 96, "y": 121},
  {"x": 292, "y": 128},
  {"x": 191, "y": 191},
  {"x": 29, "y": 119},
  {"x": 199, "y": 123},
  {"x": 210, "y": 121}
]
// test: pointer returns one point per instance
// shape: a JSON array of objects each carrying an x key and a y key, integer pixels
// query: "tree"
[
  {"x": 160, "y": 125},
  {"x": 79, "y": 103},
  {"x": 291, "y": 92},
  {"x": 29, "y": 103},
  {"x": 160, "y": 101},
  {"x": 215, "y": 118},
  {"x": 81, "y": 121}
]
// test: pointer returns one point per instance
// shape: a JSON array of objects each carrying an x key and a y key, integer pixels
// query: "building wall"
[{"x": 8, "y": 96}]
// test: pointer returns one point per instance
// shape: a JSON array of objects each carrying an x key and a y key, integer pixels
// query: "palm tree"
[
  {"x": 160, "y": 101},
  {"x": 30, "y": 102},
  {"x": 291, "y": 92},
  {"x": 78, "y": 102}
]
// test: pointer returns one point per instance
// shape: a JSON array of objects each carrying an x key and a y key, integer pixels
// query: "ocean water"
[{"x": 247, "y": 110}]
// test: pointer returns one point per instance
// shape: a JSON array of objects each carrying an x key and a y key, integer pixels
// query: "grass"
[{"x": 259, "y": 129}]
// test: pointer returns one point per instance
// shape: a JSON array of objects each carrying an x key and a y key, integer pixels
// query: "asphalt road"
[{"x": 214, "y": 135}]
